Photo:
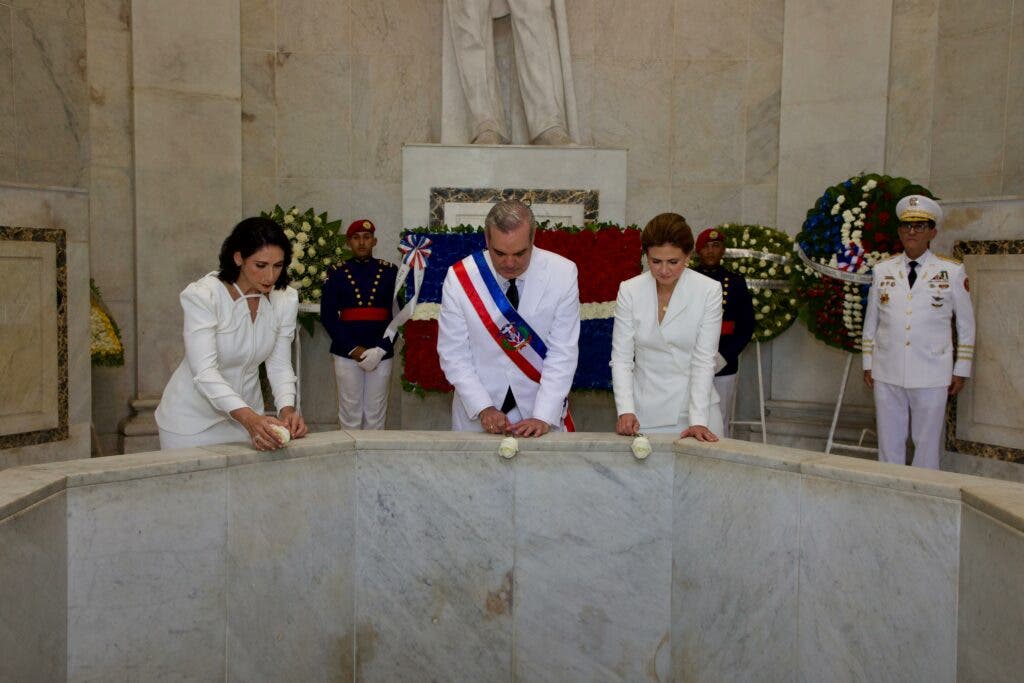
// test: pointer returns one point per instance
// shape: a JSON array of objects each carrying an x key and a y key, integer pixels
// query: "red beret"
[
  {"x": 361, "y": 225},
  {"x": 709, "y": 235}
]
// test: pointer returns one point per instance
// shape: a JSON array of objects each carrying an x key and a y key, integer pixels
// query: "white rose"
[
  {"x": 312, "y": 270},
  {"x": 305, "y": 226},
  {"x": 863, "y": 205},
  {"x": 318, "y": 220},
  {"x": 840, "y": 199},
  {"x": 282, "y": 433},
  {"x": 758, "y": 316},
  {"x": 787, "y": 270},
  {"x": 299, "y": 268},
  {"x": 767, "y": 294},
  {"x": 772, "y": 271},
  {"x": 294, "y": 211},
  {"x": 508, "y": 447},
  {"x": 312, "y": 251},
  {"x": 327, "y": 260},
  {"x": 323, "y": 276},
  {"x": 766, "y": 309},
  {"x": 289, "y": 219},
  {"x": 848, "y": 216},
  {"x": 641, "y": 447},
  {"x": 289, "y": 233},
  {"x": 322, "y": 242},
  {"x": 835, "y": 210},
  {"x": 302, "y": 237},
  {"x": 762, "y": 263},
  {"x": 315, "y": 294},
  {"x": 337, "y": 250},
  {"x": 306, "y": 282}
]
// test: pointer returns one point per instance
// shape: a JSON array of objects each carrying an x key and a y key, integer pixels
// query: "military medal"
[{"x": 884, "y": 298}]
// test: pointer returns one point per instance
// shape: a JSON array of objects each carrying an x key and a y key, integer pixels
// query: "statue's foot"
[
  {"x": 488, "y": 137},
  {"x": 556, "y": 136}
]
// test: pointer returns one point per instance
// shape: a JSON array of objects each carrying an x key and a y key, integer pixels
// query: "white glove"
[
  {"x": 371, "y": 358},
  {"x": 720, "y": 362}
]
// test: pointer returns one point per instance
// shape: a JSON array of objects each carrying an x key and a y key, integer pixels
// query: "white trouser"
[
  {"x": 726, "y": 388},
  {"x": 538, "y": 64},
  {"x": 921, "y": 412},
  {"x": 362, "y": 396},
  {"x": 227, "y": 431}
]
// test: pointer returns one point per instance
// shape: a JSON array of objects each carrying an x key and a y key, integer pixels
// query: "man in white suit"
[
  {"x": 909, "y": 357},
  {"x": 508, "y": 330}
]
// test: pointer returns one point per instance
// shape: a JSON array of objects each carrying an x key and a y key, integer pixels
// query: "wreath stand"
[{"x": 835, "y": 417}]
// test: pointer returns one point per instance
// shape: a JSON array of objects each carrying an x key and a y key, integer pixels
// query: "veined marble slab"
[
  {"x": 593, "y": 566},
  {"x": 736, "y": 539},
  {"x": 878, "y": 584},
  {"x": 146, "y": 574},
  {"x": 291, "y": 523},
  {"x": 434, "y": 566}
]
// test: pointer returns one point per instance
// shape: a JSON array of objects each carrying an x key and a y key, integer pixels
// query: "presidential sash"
[{"x": 510, "y": 331}]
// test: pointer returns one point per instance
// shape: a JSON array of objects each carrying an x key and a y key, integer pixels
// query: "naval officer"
[{"x": 910, "y": 359}]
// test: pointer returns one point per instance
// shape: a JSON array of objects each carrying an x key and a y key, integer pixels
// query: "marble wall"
[
  {"x": 64, "y": 209},
  {"x": 390, "y": 556},
  {"x": 44, "y": 124}
]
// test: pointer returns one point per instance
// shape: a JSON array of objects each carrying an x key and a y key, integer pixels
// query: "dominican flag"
[{"x": 604, "y": 257}]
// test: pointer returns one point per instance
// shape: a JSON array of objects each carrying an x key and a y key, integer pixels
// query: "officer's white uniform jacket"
[{"x": 908, "y": 339}]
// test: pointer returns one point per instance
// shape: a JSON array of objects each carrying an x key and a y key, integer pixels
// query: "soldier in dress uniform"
[
  {"x": 356, "y": 308},
  {"x": 737, "y": 317},
  {"x": 910, "y": 359}
]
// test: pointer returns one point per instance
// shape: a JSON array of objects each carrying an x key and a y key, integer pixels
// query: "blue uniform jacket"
[{"x": 358, "y": 284}]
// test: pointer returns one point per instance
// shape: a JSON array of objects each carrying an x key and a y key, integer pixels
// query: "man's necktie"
[
  {"x": 512, "y": 293},
  {"x": 912, "y": 278}
]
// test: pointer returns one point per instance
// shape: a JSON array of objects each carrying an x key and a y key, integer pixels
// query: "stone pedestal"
[{"x": 139, "y": 432}]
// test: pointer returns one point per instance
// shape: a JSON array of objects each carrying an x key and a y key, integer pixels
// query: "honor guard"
[
  {"x": 737, "y": 317},
  {"x": 910, "y": 359},
  {"x": 356, "y": 310}
]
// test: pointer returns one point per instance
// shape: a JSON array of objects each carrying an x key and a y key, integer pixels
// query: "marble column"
[
  {"x": 188, "y": 168},
  {"x": 835, "y": 83}
]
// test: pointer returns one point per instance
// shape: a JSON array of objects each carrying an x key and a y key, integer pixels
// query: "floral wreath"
[
  {"x": 851, "y": 227},
  {"x": 763, "y": 256},
  {"x": 317, "y": 246}
]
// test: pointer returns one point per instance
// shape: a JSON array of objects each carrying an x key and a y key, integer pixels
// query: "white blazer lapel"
[
  {"x": 536, "y": 284},
  {"x": 679, "y": 301}
]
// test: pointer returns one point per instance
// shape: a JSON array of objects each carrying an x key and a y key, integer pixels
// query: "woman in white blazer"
[
  {"x": 236, "y": 319},
  {"x": 665, "y": 339}
]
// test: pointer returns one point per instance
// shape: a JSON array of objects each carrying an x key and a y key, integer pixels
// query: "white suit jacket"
[
  {"x": 481, "y": 372},
  {"x": 908, "y": 335},
  {"x": 663, "y": 372},
  {"x": 223, "y": 352}
]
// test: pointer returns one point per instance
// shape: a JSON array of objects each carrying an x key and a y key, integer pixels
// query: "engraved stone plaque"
[
  {"x": 33, "y": 337},
  {"x": 987, "y": 419}
]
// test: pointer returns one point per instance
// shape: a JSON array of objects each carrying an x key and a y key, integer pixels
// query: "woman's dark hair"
[
  {"x": 248, "y": 237},
  {"x": 667, "y": 228}
]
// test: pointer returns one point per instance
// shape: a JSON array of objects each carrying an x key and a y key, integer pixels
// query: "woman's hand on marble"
[
  {"x": 628, "y": 425},
  {"x": 261, "y": 436},
  {"x": 530, "y": 427},
  {"x": 294, "y": 422},
  {"x": 699, "y": 432}
]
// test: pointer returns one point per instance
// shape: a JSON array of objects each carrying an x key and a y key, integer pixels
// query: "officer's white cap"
[{"x": 917, "y": 207}]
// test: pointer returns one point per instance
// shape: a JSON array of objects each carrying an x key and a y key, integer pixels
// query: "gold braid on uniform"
[{"x": 355, "y": 287}]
